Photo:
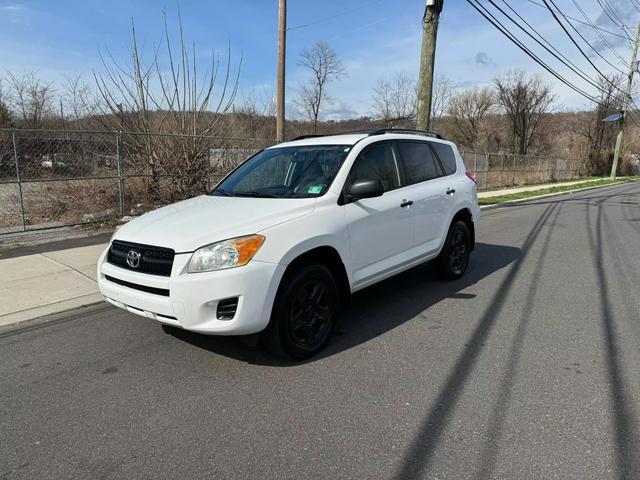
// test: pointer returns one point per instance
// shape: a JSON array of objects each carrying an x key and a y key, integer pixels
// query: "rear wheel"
[
  {"x": 304, "y": 314},
  {"x": 454, "y": 257}
]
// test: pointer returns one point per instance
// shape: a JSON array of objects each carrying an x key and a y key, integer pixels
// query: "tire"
[
  {"x": 304, "y": 313},
  {"x": 454, "y": 257}
]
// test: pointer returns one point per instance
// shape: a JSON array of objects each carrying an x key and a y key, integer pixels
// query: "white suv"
[{"x": 282, "y": 242}]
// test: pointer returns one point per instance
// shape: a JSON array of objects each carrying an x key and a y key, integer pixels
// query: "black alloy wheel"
[
  {"x": 454, "y": 257},
  {"x": 304, "y": 314}
]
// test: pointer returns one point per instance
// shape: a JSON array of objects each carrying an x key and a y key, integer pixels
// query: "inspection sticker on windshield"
[{"x": 314, "y": 189}]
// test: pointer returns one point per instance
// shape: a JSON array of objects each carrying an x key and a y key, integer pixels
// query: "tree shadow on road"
[{"x": 377, "y": 309}]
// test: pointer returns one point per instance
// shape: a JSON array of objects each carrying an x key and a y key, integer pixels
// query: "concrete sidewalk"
[
  {"x": 531, "y": 188},
  {"x": 41, "y": 284}
]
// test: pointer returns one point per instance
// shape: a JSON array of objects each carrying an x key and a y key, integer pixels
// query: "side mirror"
[{"x": 365, "y": 188}]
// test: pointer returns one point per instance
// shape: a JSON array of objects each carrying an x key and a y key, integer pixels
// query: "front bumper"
[{"x": 193, "y": 298}]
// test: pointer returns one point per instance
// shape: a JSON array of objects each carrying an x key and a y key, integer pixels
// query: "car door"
[
  {"x": 426, "y": 187},
  {"x": 380, "y": 229}
]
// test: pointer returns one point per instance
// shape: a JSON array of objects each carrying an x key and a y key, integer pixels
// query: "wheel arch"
[
  {"x": 465, "y": 215},
  {"x": 330, "y": 258}
]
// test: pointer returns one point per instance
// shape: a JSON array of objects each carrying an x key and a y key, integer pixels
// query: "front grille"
[
  {"x": 154, "y": 260},
  {"x": 143, "y": 288},
  {"x": 227, "y": 308}
]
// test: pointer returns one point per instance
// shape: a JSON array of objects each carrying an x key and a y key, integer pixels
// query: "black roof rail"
[
  {"x": 302, "y": 137},
  {"x": 382, "y": 131}
]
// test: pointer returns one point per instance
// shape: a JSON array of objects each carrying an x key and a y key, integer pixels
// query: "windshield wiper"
[
  {"x": 223, "y": 192},
  {"x": 255, "y": 194}
]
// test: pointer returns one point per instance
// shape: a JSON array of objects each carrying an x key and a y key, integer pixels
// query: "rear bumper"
[{"x": 193, "y": 298}]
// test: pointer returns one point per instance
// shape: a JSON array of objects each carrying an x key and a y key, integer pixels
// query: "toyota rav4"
[{"x": 280, "y": 244}]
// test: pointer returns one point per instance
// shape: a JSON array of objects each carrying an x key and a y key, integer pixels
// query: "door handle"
[
  {"x": 406, "y": 203},
  {"x": 451, "y": 191}
]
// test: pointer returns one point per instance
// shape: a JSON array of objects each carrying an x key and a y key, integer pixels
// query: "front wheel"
[
  {"x": 304, "y": 314},
  {"x": 454, "y": 257}
]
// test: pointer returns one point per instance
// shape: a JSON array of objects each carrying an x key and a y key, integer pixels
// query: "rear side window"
[
  {"x": 446, "y": 156},
  {"x": 377, "y": 163},
  {"x": 418, "y": 162}
]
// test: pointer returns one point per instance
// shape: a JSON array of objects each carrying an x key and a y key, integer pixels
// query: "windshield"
[{"x": 287, "y": 172}]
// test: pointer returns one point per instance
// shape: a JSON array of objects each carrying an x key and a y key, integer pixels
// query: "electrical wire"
[
  {"x": 600, "y": 35},
  {"x": 550, "y": 48},
  {"x": 553, "y": 13},
  {"x": 625, "y": 36},
  {"x": 502, "y": 29},
  {"x": 326, "y": 19},
  {"x": 610, "y": 13}
]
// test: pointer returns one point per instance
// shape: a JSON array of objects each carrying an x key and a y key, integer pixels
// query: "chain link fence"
[
  {"x": 61, "y": 178},
  {"x": 497, "y": 170}
]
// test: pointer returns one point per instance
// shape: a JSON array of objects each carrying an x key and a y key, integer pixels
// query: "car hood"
[{"x": 190, "y": 224}]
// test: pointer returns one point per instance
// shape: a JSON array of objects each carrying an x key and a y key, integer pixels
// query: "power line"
[
  {"x": 625, "y": 36},
  {"x": 504, "y": 30},
  {"x": 498, "y": 25},
  {"x": 582, "y": 51},
  {"x": 597, "y": 30},
  {"x": 553, "y": 13},
  {"x": 326, "y": 19},
  {"x": 610, "y": 13},
  {"x": 551, "y": 48}
]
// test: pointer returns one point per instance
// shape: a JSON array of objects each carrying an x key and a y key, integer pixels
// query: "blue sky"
[{"x": 374, "y": 39}]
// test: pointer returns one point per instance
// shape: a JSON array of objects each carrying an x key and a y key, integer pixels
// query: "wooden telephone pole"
[
  {"x": 430, "y": 21},
  {"x": 625, "y": 104},
  {"x": 282, "y": 49}
]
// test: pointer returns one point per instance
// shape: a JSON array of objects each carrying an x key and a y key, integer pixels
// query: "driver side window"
[{"x": 377, "y": 162}]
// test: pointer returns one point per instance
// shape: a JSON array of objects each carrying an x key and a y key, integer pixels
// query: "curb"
[
  {"x": 12, "y": 319},
  {"x": 53, "y": 318},
  {"x": 554, "y": 194}
]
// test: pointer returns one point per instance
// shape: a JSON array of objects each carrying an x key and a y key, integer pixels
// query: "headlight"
[{"x": 226, "y": 254}]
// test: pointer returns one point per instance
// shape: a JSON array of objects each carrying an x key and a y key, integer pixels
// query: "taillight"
[{"x": 471, "y": 176}]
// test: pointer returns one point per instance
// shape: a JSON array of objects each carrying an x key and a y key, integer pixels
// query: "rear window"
[
  {"x": 418, "y": 162},
  {"x": 446, "y": 156}
]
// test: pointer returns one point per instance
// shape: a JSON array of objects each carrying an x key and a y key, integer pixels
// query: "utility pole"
[
  {"x": 282, "y": 49},
  {"x": 427, "y": 59},
  {"x": 625, "y": 103}
]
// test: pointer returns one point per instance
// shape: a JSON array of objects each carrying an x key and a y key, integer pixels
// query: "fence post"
[
  {"x": 209, "y": 170},
  {"x": 15, "y": 158},
  {"x": 514, "y": 170},
  {"x": 120, "y": 173},
  {"x": 486, "y": 174}
]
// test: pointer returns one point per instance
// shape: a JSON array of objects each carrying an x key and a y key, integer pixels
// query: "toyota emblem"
[{"x": 134, "y": 258}]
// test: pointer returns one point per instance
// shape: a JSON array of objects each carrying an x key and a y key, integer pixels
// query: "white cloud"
[
  {"x": 11, "y": 8},
  {"x": 336, "y": 109}
]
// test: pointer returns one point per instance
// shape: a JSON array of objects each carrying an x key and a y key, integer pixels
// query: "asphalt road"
[{"x": 528, "y": 368}]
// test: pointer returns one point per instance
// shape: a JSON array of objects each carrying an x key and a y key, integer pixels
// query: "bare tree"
[
  {"x": 168, "y": 94},
  {"x": 325, "y": 66},
  {"x": 77, "y": 100},
  {"x": 526, "y": 101},
  {"x": 6, "y": 118},
  {"x": 394, "y": 99},
  {"x": 31, "y": 97},
  {"x": 442, "y": 92},
  {"x": 258, "y": 103},
  {"x": 600, "y": 135},
  {"x": 467, "y": 110}
]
